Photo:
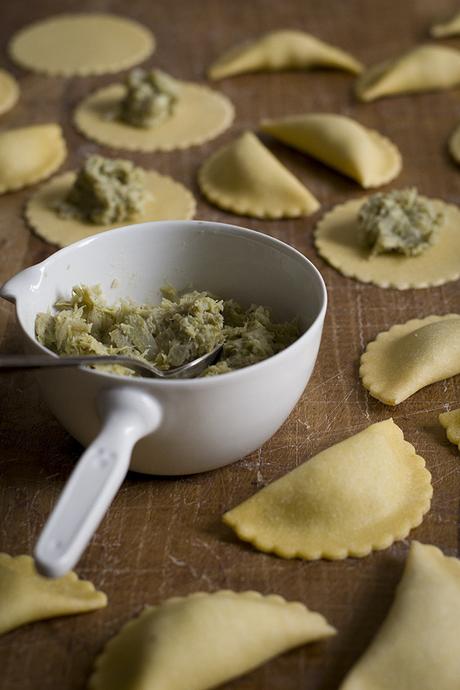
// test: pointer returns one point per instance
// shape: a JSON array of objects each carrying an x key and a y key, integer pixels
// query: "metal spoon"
[{"x": 189, "y": 370}]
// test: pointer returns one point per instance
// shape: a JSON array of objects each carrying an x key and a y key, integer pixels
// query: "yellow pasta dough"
[
  {"x": 200, "y": 114},
  {"x": 26, "y": 596},
  {"x": 449, "y": 28},
  {"x": 454, "y": 144},
  {"x": 81, "y": 44},
  {"x": 451, "y": 423},
  {"x": 169, "y": 200},
  {"x": 410, "y": 356},
  {"x": 424, "y": 68},
  {"x": 244, "y": 177},
  {"x": 9, "y": 91},
  {"x": 200, "y": 641},
  {"x": 342, "y": 143},
  {"x": 282, "y": 50},
  {"x": 339, "y": 241},
  {"x": 417, "y": 647},
  {"x": 29, "y": 154},
  {"x": 359, "y": 495}
]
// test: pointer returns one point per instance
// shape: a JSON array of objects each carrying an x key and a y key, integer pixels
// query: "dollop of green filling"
[
  {"x": 179, "y": 329},
  {"x": 399, "y": 221},
  {"x": 105, "y": 191},
  {"x": 150, "y": 98}
]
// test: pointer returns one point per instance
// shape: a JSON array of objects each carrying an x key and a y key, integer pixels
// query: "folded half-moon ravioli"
[
  {"x": 410, "y": 356},
  {"x": 449, "y": 28},
  {"x": 26, "y": 596},
  {"x": 282, "y": 50},
  {"x": 342, "y": 143},
  {"x": 451, "y": 423},
  {"x": 9, "y": 91},
  {"x": 359, "y": 495},
  {"x": 200, "y": 641},
  {"x": 339, "y": 241},
  {"x": 417, "y": 647},
  {"x": 245, "y": 177},
  {"x": 424, "y": 68},
  {"x": 29, "y": 154}
]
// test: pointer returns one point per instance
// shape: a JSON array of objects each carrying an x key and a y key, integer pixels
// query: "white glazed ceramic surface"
[{"x": 205, "y": 423}]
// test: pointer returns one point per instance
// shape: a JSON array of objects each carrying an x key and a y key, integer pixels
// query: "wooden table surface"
[{"x": 164, "y": 537}]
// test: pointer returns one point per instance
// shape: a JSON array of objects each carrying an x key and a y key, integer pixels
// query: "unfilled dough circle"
[
  {"x": 9, "y": 91},
  {"x": 338, "y": 241},
  {"x": 170, "y": 201},
  {"x": 200, "y": 114},
  {"x": 81, "y": 44}
]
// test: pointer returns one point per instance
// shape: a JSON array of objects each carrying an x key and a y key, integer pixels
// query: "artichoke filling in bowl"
[{"x": 181, "y": 328}]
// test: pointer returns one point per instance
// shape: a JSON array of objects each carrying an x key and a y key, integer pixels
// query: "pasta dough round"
[
  {"x": 342, "y": 143},
  {"x": 29, "y": 154},
  {"x": 169, "y": 201},
  {"x": 280, "y": 50},
  {"x": 9, "y": 91},
  {"x": 26, "y": 596},
  {"x": 410, "y": 356},
  {"x": 245, "y": 177},
  {"x": 360, "y": 495},
  {"x": 416, "y": 648},
  {"x": 338, "y": 241},
  {"x": 424, "y": 68},
  {"x": 202, "y": 640},
  {"x": 200, "y": 114},
  {"x": 81, "y": 44}
]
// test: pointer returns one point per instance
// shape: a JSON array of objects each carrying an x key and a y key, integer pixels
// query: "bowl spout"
[{"x": 21, "y": 283}]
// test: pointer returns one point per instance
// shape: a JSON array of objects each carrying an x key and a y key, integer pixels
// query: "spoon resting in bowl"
[{"x": 185, "y": 371}]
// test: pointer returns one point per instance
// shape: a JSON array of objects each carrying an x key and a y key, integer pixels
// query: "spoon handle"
[
  {"x": 24, "y": 362},
  {"x": 128, "y": 416}
]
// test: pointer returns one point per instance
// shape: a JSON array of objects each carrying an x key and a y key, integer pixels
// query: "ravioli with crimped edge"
[
  {"x": 416, "y": 647},
  {"x": 357, "y": 496},
  {"x": 202, "y": 640}
]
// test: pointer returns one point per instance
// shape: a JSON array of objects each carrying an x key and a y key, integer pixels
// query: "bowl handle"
[{"x": 128, "y": 416}]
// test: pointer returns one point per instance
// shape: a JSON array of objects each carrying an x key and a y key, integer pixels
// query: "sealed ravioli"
[
  {"x": 104, "y": 194},
  {"x": 203, "y": 640},
  {"x": 29, "y": 154},
  {"x": 451, "y": 423},
  {"x": 81, "y": 44},
  {"x": 340, "y": 240},
  {"x": 416, "y": 648},
  {"x": 424, "y": 68},
  {"x": 410, "y": 356},
  {"x": 282, "y": 50},
  {"x": 448, "y": 28},
  {"x": 183, "y": 114},
  {"x": 359, "y": 495},
  {"x": 26, "y": 596},
  {"x": 9, "y": 91},
  {"x": 244, "y": 177},
  {"x": 342, "y": 143}
]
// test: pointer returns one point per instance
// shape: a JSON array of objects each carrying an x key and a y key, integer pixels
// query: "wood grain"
[{"x": 164, "y": 537}]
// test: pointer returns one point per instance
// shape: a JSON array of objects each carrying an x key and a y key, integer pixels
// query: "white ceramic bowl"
[{"x": 177, "y": 426}]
